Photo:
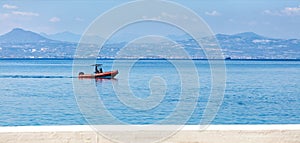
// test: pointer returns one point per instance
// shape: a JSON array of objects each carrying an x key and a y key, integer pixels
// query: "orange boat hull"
[{"x": 110, "y": 74}]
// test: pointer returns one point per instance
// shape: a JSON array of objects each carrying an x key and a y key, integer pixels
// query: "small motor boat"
[
  {"x": 107, "y": 75},
  {"x": 99, "y": 73}
]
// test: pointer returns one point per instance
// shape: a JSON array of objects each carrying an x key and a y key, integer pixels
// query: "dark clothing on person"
[{"x": 96, "y": 70}]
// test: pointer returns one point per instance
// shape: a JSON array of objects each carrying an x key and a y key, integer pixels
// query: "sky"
[{"x": 271, "y": 18}]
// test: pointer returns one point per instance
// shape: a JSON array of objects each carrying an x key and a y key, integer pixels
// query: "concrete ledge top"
[{"x": 88, "y": 128}]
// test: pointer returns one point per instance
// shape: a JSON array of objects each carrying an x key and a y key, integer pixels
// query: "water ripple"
[{"x": 34, "y": 76}]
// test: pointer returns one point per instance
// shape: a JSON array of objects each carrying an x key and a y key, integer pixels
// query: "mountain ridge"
[
  {"x": 20, "y": 43},
  {"x": 18, "y": 35},
  {"x": 63, "y": 36},
  {"x": 67, "y": 36}
]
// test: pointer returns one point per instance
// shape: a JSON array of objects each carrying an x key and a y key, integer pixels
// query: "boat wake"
[{"x": 33, "y": 76}]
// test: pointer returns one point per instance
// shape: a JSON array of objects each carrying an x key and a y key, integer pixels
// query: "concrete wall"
[{"x": 188, "y": 134}]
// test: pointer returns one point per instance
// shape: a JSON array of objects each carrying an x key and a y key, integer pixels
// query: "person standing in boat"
[{"x": 98, "y": 71}]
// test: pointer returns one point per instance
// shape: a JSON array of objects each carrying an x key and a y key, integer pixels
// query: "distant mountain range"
[
  {"x": 18, "y": 35},
  {"x": 20, "y": 43},
  {"x": 249, "y": 45},
  {"x": 63, "y": 36}
]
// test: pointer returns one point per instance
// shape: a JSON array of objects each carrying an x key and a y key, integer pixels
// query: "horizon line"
[{"x": 215, "y": 34}]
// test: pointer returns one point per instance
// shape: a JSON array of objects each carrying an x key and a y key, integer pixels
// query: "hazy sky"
[{"x": 272, "y": 18}]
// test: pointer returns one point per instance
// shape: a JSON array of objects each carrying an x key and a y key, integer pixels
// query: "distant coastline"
[
  {"x": 22, "y": 44},
  {"x": 146, "y": 59}
]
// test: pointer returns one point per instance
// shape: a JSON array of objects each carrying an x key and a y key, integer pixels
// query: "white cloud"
[
  {"x": 213, "y": 13},
  {"x": 54, "y": 19},
  {"x": 269, "y": 12},
  {"x": 78, "y": 19},
  {"x": 287, "y": 11},
  {"x": 22, "y": 13},
  {"x": 291, "y": 11},
  {"x": 7, "y": 6}
]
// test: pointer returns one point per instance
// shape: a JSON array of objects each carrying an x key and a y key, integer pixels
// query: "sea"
[{"x": 35, "y": 92}]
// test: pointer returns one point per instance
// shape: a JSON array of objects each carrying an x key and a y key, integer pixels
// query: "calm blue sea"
[{"x": 40, "y": 92}]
